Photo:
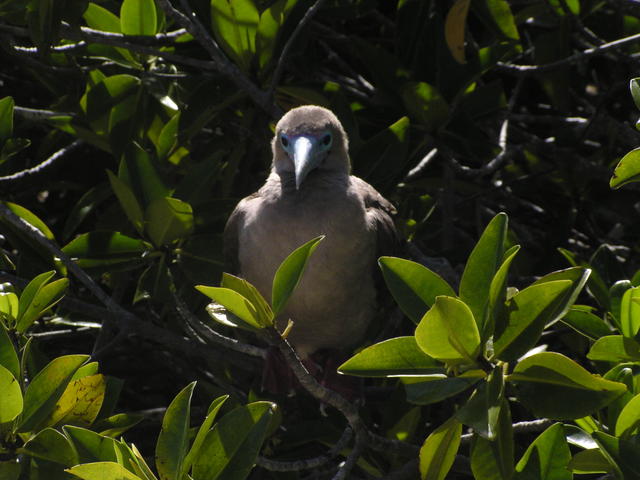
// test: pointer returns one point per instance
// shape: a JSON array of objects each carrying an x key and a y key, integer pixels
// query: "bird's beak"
[{"x": 305, "y": 158}]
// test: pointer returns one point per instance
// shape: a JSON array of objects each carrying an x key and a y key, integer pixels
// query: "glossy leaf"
[
  {"x": 544, "y": 377},
  {"x": 8, "y": 356},
  {"x": 137, "y": 170},
  {"x": 80, "y": 403},
  {"x": 615, "y": 348},
  {"x": 106, "y": 249},
  {"x": 482, "y": 410},
  {"x": 448, "y": 332},
  {"x": 234, "y": 24},
  {"x": 38, "y": 296},
  {"x": 623, "y": 454},
  {"x": 578, "y": 276},
  {"x": 630, "y": 312},
  {"x": 425, "y": 390},
  {"x": 582, "y": 320},
  {"x": 528, "y": 313},
  {"x": 128, "y": 201},
  {"x": 46, "y": 388},
  {"x": 91, "y": 446},
  {"x": 203, "y": 430},
  {"x": 482, "y": 265},
  {"x": 498, "y": 295},
  {"x": 590, "y": 461},
  {"x": 103, "y": 471},
  {"x": 11, "y": 402},
  {"x": 395, "y": 357},
  {"x": 173, "y": 440},
  {"x": 290, "y": 272},
  {"x": 629, "y": 419},
  {"x": 168, "y": 138},
  {"x": 413, "y": 286},
  {"x": 439, "y": 450},
  {"x": 6, "y": 118},
  {"x": 244, "y": 288},
  {"x": 30, "y": 218},
  {"x": 138, "y": 17},
  {"x": 546, "y": 458},
  {"x": 493, "y": 460},
  {"x": 51, "y": 445},
  {"x": 230, "y": 449},
  {"x": 167, "y": 220},
  {"x": 627, "y": 170},
  {"x": 234, "y": 303}
]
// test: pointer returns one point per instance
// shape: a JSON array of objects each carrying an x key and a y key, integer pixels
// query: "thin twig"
[
  {"x": 41, "y": 167},
  {"x": 599, "y": 50},
  {"x": 289, "y": 44},
  {"x": 36, "y": 114},
  {"x": 310, "y": 463},
  {"x": 422, "y": 165}
]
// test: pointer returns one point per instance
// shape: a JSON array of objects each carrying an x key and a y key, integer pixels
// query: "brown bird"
[{"x": 310, "y": 192}]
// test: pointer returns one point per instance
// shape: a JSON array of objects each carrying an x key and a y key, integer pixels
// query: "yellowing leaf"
[
  {"x": 454, "y": 27},
  {"x": 80, "y": 403}
]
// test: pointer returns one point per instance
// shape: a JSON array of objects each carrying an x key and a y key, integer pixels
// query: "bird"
[{"x": 310, "y": 192}]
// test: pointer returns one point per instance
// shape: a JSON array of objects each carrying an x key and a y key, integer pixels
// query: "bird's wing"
[
  {"x": 380, "y": 211},
  {"x": 232, "y": 233}
]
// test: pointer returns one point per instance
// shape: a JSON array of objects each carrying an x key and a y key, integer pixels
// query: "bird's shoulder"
[{"x": 371, "y": 197}]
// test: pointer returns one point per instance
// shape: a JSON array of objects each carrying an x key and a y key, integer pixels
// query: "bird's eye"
[
  {"x": 326, "y": 140},
  {"x": 284, "y": 141}
]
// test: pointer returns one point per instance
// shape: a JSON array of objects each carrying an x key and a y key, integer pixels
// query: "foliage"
[{"x": 130, "y": 128}]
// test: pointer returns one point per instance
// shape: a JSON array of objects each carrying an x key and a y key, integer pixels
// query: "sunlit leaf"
[
  {"x": 102, "y": 471},
  {"x": 11, "y": 402},
  {"x": 168, "y": 219},
  {"x": 547, "y": 457},
  {"x": 138, "y": 17},
  {"x": 439, "y": 450},
  {"x": 234, "y": 303},
  {"x": 627, "y": 170},
  {"x": 51, "y": 445}
]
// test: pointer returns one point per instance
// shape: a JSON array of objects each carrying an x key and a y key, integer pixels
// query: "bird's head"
[{"x": 309, "y": 138}]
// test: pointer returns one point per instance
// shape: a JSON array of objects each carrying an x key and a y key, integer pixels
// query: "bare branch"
[
  {"x": 290, "y": 41},
  {"x": 16, "y": 179},
  {"x": 577, "y": 57}
]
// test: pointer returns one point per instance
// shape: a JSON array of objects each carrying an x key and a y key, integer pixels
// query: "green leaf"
[
  {"x": 80, "y": 403},
  {"x": 544, "y": 377},
  {"x": 425, "y": 390},
  {"x": 500, "y": 12},
  {"x": 629, "y": 419},
  {"x": 582, "y": 320},
  {"x": 138, "y": 171},
  {"x": 101, "y": 98},
  {"x": 498, "y": 295},
  {"x": 528, "y": 313},
  {"x": 578, "y": 276},
  {"x": 482, "y": 410},
  {"x": 91, "y": 446},
  {"x": 10, "y": 469},
  {"x": 102, "y": 471},
  {"x": 101, "y": 19},
  {"x": 46, "y": 388},
  {"x": 439, "y": 450},
  {"x": 482, "y": 265},
  {"x": 173, "y": 440},
  {"x": 546, "y": 458},
  {"x": 106, "y": 249},
  {"x": 493, "y": 460},
  {"x": 234, "y": 24},
  {"x": 634, "y": 87},
  {"x": 6, "y": 119},
  {"x": 230, "y": 449},
  {"x": 615, "y": 348},
  {"x": 627, "y": 170},
  {"x": 116, "y": 425},
  {"x": 413, "y": 286},
  {"x": 204, "y": 429},
  {"x": 12, "y": 147},
  {"x": 128, "y": 201},
  {"x": 289, "y": 274},
  {"x": 590, "y": 461},
  {"x": 425, "y": 104},
  {"x": 271, "y": 21},
  {"x": 8, "y": 355},
  {"x": 251, "y": 293},
  {"x": 448, "y": 332},
  {"x": 138, "y": 17},
  {"x": 167, "y": 220},
  {"x": 11, "y": 403},
  {"x": 51, "y": 445},
  {"x": 235, "y": 304},
  {"x": 391, "y": 358},
  {"x": 37, "y": 297},
  {"x": 30, "y": 218},
  {"x": 622, "y": 454},
  {"x": 630, "y": 312},
  {"x": 168, "y": 138}
]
